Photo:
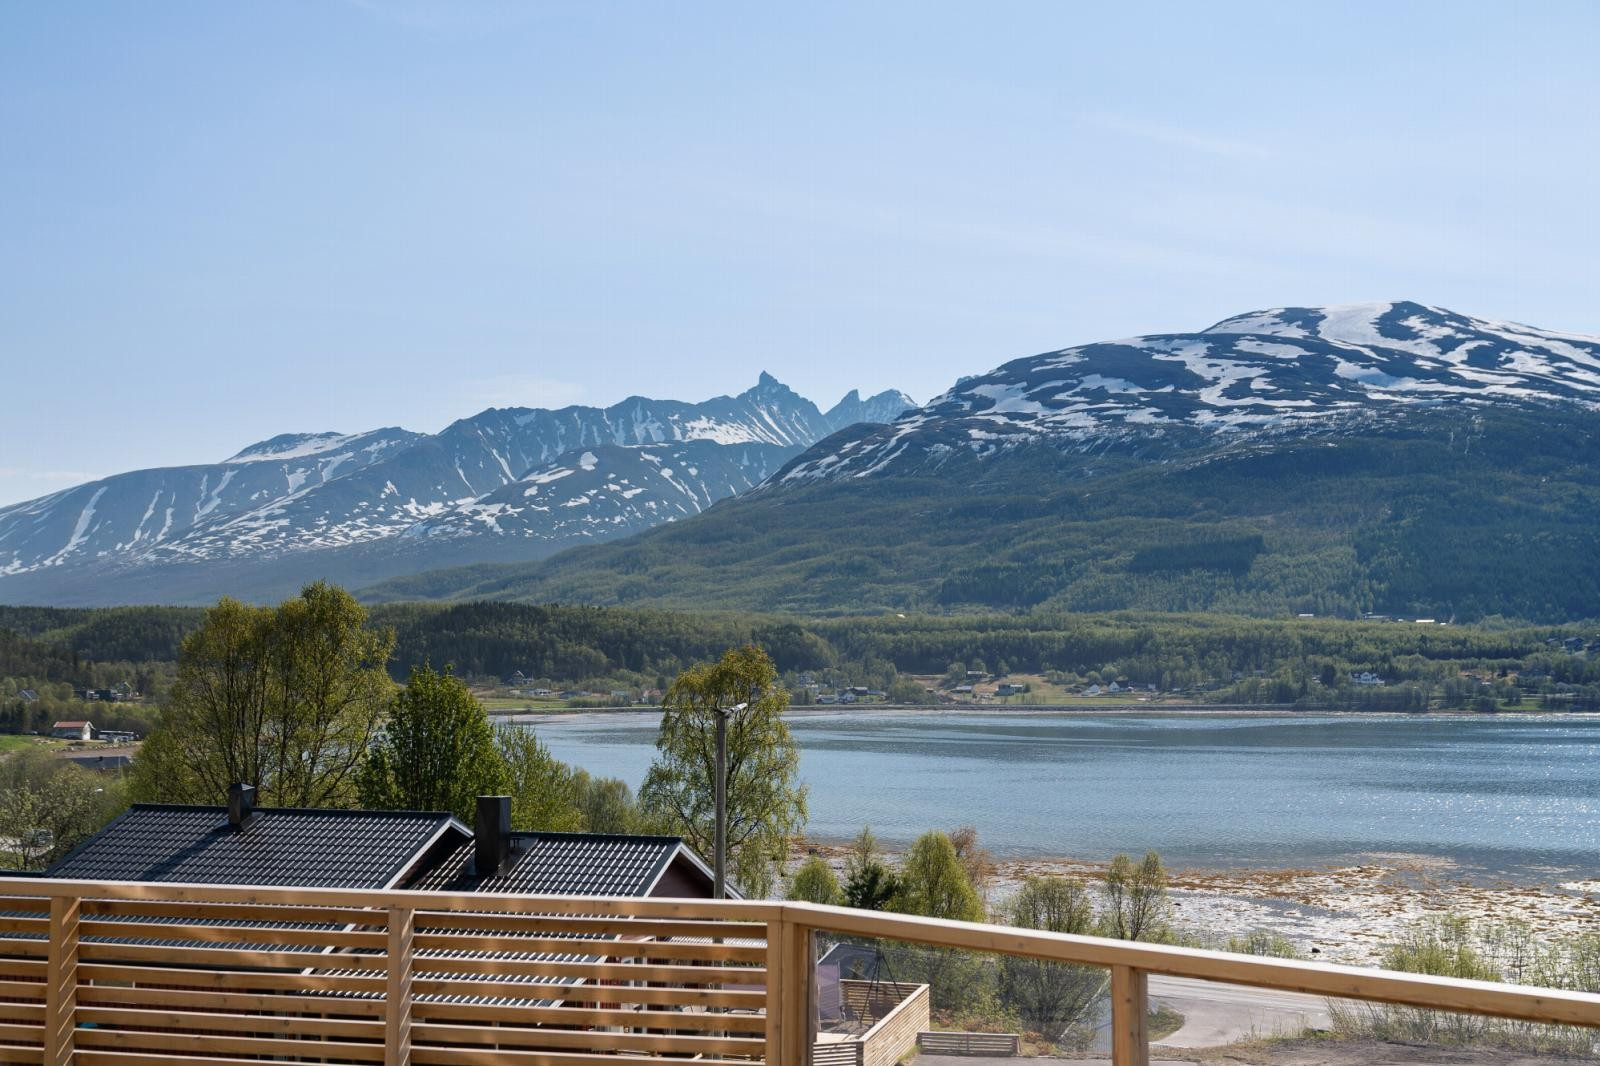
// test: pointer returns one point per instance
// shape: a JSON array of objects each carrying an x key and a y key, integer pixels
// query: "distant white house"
[
  {"x": 1092, "y": 690},
  {"x": 27, "y": 695},
  {"x": 1366, "y": 677}
]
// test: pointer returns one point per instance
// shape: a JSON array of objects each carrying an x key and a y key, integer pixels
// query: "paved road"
[{"x": 1221, "y": 1014}]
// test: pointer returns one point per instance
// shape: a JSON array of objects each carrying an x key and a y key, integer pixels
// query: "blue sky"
[{"x": 223, "y": 221}]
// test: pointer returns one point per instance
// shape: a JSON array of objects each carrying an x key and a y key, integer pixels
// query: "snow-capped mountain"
[
  {"x": 317, "y": 495},
  {"x": 608, "y": 490},
  {"x": 1263, "y": 371},
  {"x": 1385, "y": 458},
  {"x": 127, "y": 516}
]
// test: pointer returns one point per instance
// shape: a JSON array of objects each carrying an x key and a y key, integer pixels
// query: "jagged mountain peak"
[{"x": 323, "y": 493}]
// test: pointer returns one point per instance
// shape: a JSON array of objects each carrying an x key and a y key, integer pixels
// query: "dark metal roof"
[
  {"x": 567, "y": 864},
  {"x": 276, "y": 846}
]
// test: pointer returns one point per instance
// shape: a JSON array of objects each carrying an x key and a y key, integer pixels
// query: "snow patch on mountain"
[{"x": 1279, "y": 369}]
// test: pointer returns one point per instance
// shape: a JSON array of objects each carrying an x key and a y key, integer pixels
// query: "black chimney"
[
  {"x": 492, "y": 835},
  {"x": 241, "y": 804}
]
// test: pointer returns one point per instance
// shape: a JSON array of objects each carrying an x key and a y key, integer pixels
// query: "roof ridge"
[
  {"x": 343, "y": 811},
  {"x": 654, "y": 838}
]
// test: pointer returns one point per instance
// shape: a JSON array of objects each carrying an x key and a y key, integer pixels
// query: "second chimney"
[
  {"x": 241, "y": 804},
  {"x": 492, "y": 836}
]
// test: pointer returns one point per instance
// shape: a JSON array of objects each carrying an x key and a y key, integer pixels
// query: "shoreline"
[
  {"x": 1175, "y": 710},
  {"x": 1339, "y": 912}
]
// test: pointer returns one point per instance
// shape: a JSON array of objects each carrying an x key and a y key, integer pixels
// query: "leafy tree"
[
  {"x": 974, "y": 858},
  {"x": 1051, "y": 998},
  {"x": 49, "y": 806},
  {"x": 869, "y": 883},
  {"x": 544, "y": 791},
  {"x": 1136, "y": 898},
  {"x": 607, "y": 804},
  {"x": 284, "y": 698},
  {"x": 437, "y": 751},
  {"x": 815, "y": 882},
  {"x": 766, "y": 803},
  {"x": 933, "y": 882}
]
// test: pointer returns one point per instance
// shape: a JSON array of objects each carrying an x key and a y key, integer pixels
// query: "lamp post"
[{"x": 720, "y": 857}]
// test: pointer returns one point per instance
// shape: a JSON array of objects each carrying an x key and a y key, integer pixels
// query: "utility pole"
[{"x": 720, "y": 859}]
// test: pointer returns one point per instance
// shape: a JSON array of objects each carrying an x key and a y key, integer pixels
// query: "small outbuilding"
[{"x": 74, "y": 731}]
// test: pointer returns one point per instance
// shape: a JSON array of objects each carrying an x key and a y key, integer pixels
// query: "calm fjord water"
[{"x": 1498, "y": 795}]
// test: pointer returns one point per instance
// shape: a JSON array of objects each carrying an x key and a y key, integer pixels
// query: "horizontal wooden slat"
[
  {"x": 579, "y": 1017},
  {"x": 23, "y": 1056},
  {"x": 22, "y": 1012},
  {"x": 652, "y": 949},
  {"x": 33, "y": 904},
  {"x": 29, "y": 990},
  {"x": 191, "y": 955},
  {"x": 437, "y": 1056},
  {"x": 352, "y": 1028},
  {"x": 28, "y": 1034},
  {"x": 557, "y": 923},
  {"x": 33, "y": 948},
  {"x": 213, "y": 1044},
  {"x": 178, "y": 977},
  {"x": 534, "y": 1039},
  {"x": 234, "y": 912},
  {"x": 597, "y": 971},
  {"x": 211, "y": 933},
  {"x": 199, "y": 1001},
  {"x": 589, "y": 993},
  {"x": 22, "y": 968},
  {"x": 11, "y": 923}
]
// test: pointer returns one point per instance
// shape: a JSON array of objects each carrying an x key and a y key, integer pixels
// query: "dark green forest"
[{"x": 1206, "y": 658}]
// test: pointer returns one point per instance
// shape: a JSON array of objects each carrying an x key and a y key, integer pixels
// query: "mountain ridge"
[
  {"x": 1390, "y": 457},
  {"x": 324, "y": 495}
]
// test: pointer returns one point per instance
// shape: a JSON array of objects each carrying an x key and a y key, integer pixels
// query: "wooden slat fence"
[{"x": 135, "y": 974}]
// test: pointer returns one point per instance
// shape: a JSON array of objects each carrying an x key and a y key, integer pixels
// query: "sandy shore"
[{"x": 1341, "y": 913}]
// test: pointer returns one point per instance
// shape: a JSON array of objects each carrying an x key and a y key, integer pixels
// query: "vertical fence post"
[
  {"x": 799, "y": 1004},
  {"x": 397, "y": 993},
  {"x": 1130, "y": 1043},
  {"x": 61, "y": 982},
  {"x": 777, "y": 985}
]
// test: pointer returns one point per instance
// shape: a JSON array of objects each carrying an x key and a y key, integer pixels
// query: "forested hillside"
[{"x": 1215, "y": 658}]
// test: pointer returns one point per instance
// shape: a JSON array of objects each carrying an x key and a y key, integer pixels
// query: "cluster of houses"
[
  {"x": 521, "y": 686},
  {"x": 122, "y": 692},
  {"x": 853, "y": 694},
  {"x": 1574, "y": 645}
]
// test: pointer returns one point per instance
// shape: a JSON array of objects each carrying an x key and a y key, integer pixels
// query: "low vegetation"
[{"x": 1452, "y": 946}]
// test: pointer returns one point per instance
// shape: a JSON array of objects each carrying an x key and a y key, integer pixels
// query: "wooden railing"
[{"x": 135, "y": 974}]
